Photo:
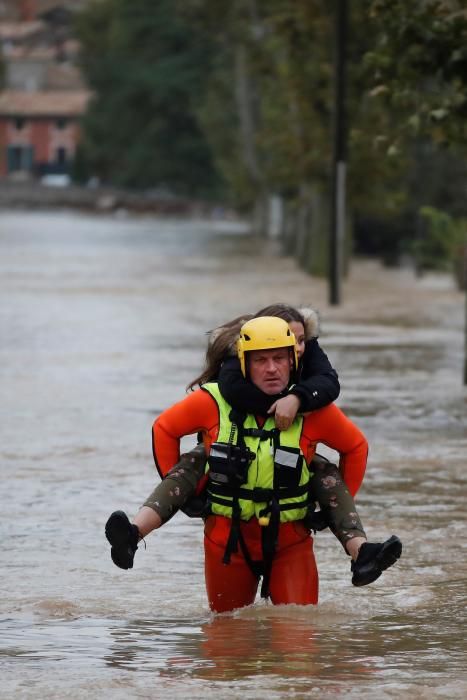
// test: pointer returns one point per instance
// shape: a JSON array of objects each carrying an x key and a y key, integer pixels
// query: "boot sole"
[
  {"x": 389, "y": 554},
  {"x": 116, "y": 531}
]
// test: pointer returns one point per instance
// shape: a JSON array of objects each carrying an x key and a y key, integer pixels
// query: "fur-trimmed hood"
[{"x": 311, "y": 322}]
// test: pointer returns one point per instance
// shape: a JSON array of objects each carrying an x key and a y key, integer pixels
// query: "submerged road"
[{"x": 102, "y": 326}]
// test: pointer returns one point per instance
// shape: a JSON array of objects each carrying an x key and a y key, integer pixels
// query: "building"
[
  {"x": 39, "y": 131},
  {"x": 44, "y": 96},
  {"x": 27, "y": 10}
]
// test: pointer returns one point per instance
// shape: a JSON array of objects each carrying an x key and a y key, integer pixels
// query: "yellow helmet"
[{"x": 264, "y": 333}]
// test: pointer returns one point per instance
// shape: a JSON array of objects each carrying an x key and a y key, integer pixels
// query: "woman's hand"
[{"x": 285, "y": 410}]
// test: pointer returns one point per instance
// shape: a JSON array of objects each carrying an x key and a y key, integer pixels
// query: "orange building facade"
[
  {"x": 44, "y": 97},
  {"x": 39, "y": 132}
]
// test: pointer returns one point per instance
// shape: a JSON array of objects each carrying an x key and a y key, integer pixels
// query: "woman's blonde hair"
[{"x": 221, "y": 344}]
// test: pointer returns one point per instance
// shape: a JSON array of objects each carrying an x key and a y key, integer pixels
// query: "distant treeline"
[{"x": 233, "y": 101}]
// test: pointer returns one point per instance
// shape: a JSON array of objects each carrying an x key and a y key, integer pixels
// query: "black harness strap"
[
  {"x": 256, "y": 567},
  {"x": 259, "y": 433},
  {"x": 257, "y": 495},
  {"x": 270, "y": 533},
  {"x": 234, "y": 534},
  {"x": 237, "y": 420},
  {"x": 292, "y": 506}
]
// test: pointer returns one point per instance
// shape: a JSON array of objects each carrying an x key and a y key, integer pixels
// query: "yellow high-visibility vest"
[{"x": 277, "y": 469}]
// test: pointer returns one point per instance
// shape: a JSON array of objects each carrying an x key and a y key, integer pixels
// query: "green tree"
[
  {"x": 147, "y": 72},
  {"x": 412, "y": 77},
  {"x": 267, "y": 108},
  {"x": 418, "y": 66}
]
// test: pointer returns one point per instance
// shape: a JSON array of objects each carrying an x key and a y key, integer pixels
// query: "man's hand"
[{"x": 285, "y": 410}]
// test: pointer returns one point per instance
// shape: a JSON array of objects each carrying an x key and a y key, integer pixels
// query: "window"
[
  {"x": 61, "y": 123},
  {"x": 20, "y": 158},
  {"x": 61, "y": 156},
  {"x": 20, "y": 123}
]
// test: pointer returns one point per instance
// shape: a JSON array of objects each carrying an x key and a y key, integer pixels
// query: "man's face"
[{"x": 270, "y": 369}]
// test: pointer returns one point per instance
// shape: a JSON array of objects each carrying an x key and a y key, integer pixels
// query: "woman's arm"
[{"x": 319, "y": 384}]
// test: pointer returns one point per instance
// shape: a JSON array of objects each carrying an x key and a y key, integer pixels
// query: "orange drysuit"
[{"x": 294, "y": 577}]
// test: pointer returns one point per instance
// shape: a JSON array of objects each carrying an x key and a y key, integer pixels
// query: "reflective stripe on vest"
[{"x": 260, "y": 476}]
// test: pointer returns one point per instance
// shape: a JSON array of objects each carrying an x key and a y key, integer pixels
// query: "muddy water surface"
[{"x": 102, "y": 324}]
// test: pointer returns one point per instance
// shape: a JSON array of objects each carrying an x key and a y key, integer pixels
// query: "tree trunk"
[
  {"x": 465, "y": 341},
  {"x": 246, "y": 115}
]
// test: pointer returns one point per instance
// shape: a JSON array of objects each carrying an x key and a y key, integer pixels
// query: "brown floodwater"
[{"x": 102, "y": 326}]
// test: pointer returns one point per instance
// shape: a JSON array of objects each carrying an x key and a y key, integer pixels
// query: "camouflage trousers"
[
  {"x": 337, "y": 506},
  {"x": 327, "y": 488}
]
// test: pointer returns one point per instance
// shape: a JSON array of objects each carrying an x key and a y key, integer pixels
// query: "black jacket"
[{"x": 317, "y": 385}]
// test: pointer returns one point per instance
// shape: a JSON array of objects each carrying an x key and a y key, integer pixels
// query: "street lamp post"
[{"x": 338, "y": 205}]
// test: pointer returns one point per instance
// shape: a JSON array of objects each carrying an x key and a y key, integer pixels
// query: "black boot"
[
  {"x": 373, "y": 559},
  {"x": 123, "y": 536}
]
